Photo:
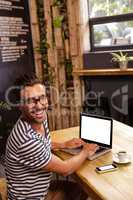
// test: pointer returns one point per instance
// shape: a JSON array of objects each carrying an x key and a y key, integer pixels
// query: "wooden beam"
[
  {"x": 35, "y": 37},
  {"x": 52, "y": 59},
  {"x": 102, "y": 72},
  {"x": 72, "y": 28}
]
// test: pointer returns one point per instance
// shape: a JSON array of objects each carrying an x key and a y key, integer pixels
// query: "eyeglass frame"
[{"x": 34, "y": 100}]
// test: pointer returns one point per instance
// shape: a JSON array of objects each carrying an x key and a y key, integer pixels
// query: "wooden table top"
[{"x": 115, "y": 185}]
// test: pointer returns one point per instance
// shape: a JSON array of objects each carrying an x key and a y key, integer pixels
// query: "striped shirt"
[{"x": 26, "y": 153}]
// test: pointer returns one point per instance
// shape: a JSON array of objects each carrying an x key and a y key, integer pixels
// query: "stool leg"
[
  {"x": 0, "y": 197},
  {"x": 89, "y": 198}
]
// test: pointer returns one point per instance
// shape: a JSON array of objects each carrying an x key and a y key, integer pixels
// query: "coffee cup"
[{"x": 122, "y": 155}]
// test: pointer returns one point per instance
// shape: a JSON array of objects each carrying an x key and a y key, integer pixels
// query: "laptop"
[{"x": 95, "y": 129}]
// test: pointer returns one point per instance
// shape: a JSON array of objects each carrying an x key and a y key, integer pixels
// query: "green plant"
[
  {"x": 121, "y": 57},
  {"x": 4, "y": 106},
  {"x": 57, "y": 22},
  {"x": 43, "y": 45}
]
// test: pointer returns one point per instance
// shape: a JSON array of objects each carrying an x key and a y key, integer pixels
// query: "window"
[{"x": 111, "y": 24}]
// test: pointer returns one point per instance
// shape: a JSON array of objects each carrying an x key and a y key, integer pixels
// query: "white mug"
[{"x": 122, "y": 155}]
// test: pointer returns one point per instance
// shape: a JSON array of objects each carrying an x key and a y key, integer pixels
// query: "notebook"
[{"x": 95, "y": 129}]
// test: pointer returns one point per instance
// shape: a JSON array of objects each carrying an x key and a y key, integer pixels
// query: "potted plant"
[{"x": 122, "y": 59}]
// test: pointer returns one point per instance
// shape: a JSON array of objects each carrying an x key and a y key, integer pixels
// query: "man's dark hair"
[
  {"x": 23, "y": 81},
  {"x": 27, "y": 80}
]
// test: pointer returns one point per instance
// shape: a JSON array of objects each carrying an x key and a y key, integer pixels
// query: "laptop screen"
[{"x": 96, "y": 129}]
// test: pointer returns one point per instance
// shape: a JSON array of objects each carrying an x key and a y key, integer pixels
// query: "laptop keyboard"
[{"x": 100, "y": 149}]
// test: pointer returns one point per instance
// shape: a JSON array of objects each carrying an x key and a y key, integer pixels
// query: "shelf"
[{"x": 102, "y": 72}]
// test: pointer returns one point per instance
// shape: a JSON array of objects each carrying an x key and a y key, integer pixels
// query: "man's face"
[{"x": 34, "y": 104}]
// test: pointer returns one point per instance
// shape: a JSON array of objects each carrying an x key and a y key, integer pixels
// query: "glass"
[
  {"x": 115, "y": 33},
  {"x": 102, "y": 8},
  {"x": 34, "y": 100}
]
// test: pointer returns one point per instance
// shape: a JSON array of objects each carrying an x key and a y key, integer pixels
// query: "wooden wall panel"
[{"x": 65, "y": 100}]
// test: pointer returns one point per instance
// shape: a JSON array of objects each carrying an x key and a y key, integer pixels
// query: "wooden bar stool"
[{"x": 3, "y": 189}]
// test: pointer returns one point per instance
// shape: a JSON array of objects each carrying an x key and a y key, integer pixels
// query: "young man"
[{"x": 29, "y": 160}]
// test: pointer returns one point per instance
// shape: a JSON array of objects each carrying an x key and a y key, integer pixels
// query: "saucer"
[{"x": 125, "y": 161}]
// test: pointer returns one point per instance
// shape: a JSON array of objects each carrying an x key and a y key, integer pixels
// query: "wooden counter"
[{"x": 116, "y": 185}]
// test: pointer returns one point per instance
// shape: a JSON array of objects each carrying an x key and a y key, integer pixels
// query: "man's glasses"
[{"x": 34, "y": 100}]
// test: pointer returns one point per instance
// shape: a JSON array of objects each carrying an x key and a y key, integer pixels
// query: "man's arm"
[
  {"x": 73, "y": 143},
  {"x": 57, "y": 145},
  {"x": 70, "y": 165}
]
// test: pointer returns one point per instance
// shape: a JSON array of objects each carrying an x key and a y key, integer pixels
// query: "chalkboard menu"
[{"x": 16, "y": 55}]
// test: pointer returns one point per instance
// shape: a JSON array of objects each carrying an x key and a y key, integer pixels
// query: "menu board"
[{"x": 16, "y": 53}]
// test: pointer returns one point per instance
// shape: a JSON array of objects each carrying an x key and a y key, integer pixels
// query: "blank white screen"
[
  {"x": 95, "y": 129},
  {"x": 107, "y": 167}
]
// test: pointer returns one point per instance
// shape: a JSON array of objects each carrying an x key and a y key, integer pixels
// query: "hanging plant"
[
  {"x": 43, "y": 45},
  {"x": 57, "y": 22},
  {"x": 61, "y": 21},
  {"x": 58, "y": 3},
  {"x": 69, "y": 67}
]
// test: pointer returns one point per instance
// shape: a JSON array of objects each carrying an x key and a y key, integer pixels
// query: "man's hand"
[
  {"x": 90, "y": 149},
  {"x": 73, "y": 143}
]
